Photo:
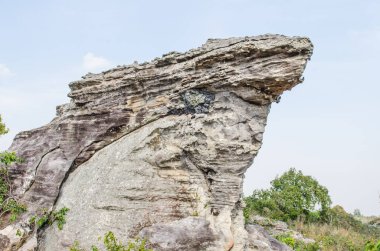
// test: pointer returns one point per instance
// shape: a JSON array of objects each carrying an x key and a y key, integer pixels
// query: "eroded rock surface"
[
  {"x": 158, "y": 150},
  {"x": 259, "y": 239},
  {"x": 270, "y": 227}
]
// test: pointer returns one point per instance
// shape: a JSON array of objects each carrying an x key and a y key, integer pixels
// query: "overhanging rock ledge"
[{"x": 157, "y": 150}]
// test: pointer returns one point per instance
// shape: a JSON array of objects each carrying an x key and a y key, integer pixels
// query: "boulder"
[{"x": 156, "y": 150}]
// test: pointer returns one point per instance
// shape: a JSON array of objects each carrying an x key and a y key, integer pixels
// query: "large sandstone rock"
[{"x": 157, "y": 150}]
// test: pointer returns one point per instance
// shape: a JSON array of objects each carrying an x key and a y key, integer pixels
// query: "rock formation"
[{"x": 157, "y": 150}]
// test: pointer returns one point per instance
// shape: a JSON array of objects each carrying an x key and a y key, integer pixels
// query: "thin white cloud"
[
  {"x": 5, "y": 71},
  {"x": 95, "y": 63}
]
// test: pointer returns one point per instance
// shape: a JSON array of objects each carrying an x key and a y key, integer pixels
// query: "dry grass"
[{"x": 333, "y": 238}]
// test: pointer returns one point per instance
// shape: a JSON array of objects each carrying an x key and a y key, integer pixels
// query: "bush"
[
  {"x": 291, "y": 196},
  {"x": 3, "y": 128},
  {"x": 296, "y": 244},
  {"x": 357, "y": 213},
  {"x": 111, "y": 243},
  {"x": 9, "y": 204},
  {"x": 335, "y": 238},
  {"x": 49, "y": 218},
  {"x": 371, "y": 246},
  {"x": 339, "y": 217}
]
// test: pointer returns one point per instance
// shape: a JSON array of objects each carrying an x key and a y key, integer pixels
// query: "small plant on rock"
[
  {"x": 49, "y": 218},
  {"x": 111, "y": 243}
]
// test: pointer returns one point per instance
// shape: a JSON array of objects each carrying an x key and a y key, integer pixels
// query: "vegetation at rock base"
[
  {"x": 336, "y": 238},
  {"x": 372, "y": 246},
  {"x": 58, "y": 217},
  {"x": 9, "y": 204},
  {"x": 305, "y": 205},
  {"x": 296, "y": 244},
  {"x": 111, "y": 243}
]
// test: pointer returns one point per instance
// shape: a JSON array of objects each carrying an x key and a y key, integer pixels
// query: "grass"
[{"x": 335, "y": 238}]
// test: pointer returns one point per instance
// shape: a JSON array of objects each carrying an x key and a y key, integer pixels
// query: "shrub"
[
  {"x": 291, "y": 196},
  {"x": 111, "y": 243},
  {"x": 60, "y": 217},
  {"x": 3, "y": 128},
  {"x": 339, "y": 217},
  {"x": 372, "y": 246},
  {"x": 357, "y": 213},
  {"x": 49, "y": 218},
  {"x": 8, "y": 202},
  {"x": 296, "y": 244},
  {"x": 335, "y": 238}
]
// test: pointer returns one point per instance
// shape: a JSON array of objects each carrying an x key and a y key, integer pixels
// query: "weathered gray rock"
[
  {"x": 259, "y": 239},
  {"x": 158, "y": 149},
  {"x": 278, "y": 228}
]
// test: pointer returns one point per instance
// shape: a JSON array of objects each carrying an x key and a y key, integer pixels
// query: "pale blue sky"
[{"x": 328, "y": 127}]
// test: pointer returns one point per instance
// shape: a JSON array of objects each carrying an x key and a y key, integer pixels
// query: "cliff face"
[{"x": 157, "y": 149}]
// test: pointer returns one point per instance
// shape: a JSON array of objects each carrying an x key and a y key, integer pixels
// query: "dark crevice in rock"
[
  {"x": 194, "y": 101},
  {"x": 38, "y": 165},
  {"x": 110, "y": 208}
]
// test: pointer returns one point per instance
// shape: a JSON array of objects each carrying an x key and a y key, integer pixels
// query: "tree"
[
  {"x": 291, "y": 196},
  {"x": 357, "y": 212},
  {"x": 8, "y": 202},
  {"x": 3, "y": 128}
]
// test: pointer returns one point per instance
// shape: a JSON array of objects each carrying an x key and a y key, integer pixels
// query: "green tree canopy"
[
  {"x": 3, "y": 129},
  {"x": 291, "y": 196}
]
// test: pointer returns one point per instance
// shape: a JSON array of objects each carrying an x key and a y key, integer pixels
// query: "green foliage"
[
  {"x": 305, "y": 205},
  {"x": 291, "y": 196},
  {"x": 111, "y": 243},
  {"x": 339, "y": 217},
  {"x": 8, "y": 158},
  {"x": 8, "y": 203},
  {"x": 328, "y": 242},
  {"x": 357, "y": 213},
  {"x": 195, "y": 213},
  {"x": 41, "y": 221},
  {"x": 14, "y": 208},
  {"x": 287, "y": 239},
  {"x": 3, "y": 128},
  {"x": 49, "y": 218},
  {"x": 296, "y": 244},
  {"x": 336, "y": 241},
  {"x": 76, "y": 247},
  {"x": 372, "y": 246},
  {"x": 335, "y": 237},
  {"x": 60, "y": 217},
  {"x": 18, "y": 233}
]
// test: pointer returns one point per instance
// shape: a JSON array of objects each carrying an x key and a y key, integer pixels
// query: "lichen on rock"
[
  {"x": 193, "y": 101},
  {"x": 197, "y": 101},
  {"x": 157, "y": 150}
]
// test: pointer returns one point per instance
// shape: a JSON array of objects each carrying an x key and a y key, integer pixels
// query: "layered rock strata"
[{"x": 156, "y": 150}]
